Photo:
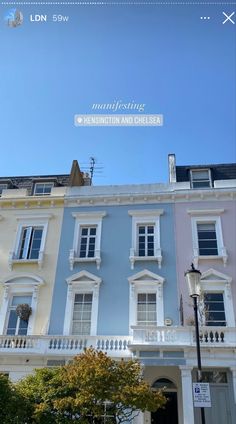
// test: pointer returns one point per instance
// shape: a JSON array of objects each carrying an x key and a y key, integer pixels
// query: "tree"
[
  {"x": 93, "y": 388},
  {"x": 11, "y": 402}
]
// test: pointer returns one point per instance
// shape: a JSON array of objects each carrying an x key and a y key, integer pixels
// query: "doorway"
[{"x": 169, "y": 414}]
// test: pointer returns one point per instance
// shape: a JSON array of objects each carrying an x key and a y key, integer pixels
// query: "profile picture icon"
[{"x": 13, "y": 18}]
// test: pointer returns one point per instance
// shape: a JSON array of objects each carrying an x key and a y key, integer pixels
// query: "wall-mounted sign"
[{"x": 201, "y": 395}]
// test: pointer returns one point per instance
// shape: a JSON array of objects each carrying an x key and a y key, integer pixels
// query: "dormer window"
[
  {"x": 200, "y": 178},
  {"x": 43, "y": 189},
  {"x": 2, "y": 187}
]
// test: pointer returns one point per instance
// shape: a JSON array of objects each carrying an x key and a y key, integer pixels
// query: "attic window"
[
  {"x": 2, "y": 187},
  {"x": 43, "y": 189},
  {"x": 200, "y": 178}
]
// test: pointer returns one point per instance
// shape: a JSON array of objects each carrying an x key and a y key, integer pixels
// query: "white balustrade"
[
  {"x": 119, "y": 346},
  {"x": 116, "y": 346}
]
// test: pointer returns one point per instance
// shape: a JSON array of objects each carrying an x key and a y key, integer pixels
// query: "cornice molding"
[
  {"x": 29, "y": 202},
  {"x": 145, "y": 212},
  {"x": 183, "y": 196},
  {"x": 202, "y": 212},
  {"x": 177, "y": 196},
  {"x": 89, "y": 214},
  {"x": 37, "y": 216}
]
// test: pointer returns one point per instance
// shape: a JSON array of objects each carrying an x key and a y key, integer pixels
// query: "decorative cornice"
[
  {"x": 146, "y": 212},
  {"x": 143, "y": 197},
  {"x": 182, "y": 196},
  {"x": 197, "y": 212},
  {"x": 31, "y": 203},
  {"x": 89, "y": 214},
  {"x": 28, "y": 217}
]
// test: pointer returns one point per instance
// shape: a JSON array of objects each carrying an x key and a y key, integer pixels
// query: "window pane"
[
  {"x": 218, "y": 297},
  {"x": 214, "y": 377},
  {"x": 78, "y": 297},
  {"x": 141, "y": 297},
  {"x": 87, "y": 242},
  {"x": 17, "y": 300},
  {"x": 35, "y": 243},
  {"x": 200, "y": 175},
  {"x": 207, "y": 241},
  {"x": 23, "y": 326},
  {"x": 43, "y": 188},
  {"x": 146, "y": 240},
  {"x": 24, "y": 244},
  {"x": 151, "y": 297},
  {"x": 82, "y": 313},
  {"x": 141, "y": 230},
  {"x": 12, "y": 322},
  {"x": 146, "y": 309},
  {"x": 214, "y": 309},
  {"x": 88, "y": 297}
]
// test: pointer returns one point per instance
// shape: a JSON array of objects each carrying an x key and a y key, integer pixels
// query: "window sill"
[
  {"x": 133, "y": 258},
  {"x": 223, "y": 257},
  {"x": 13, "y": 260},
  {"x": 73, "y": 259}
]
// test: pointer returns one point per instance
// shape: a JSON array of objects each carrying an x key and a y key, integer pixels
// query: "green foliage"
[
  {"x": 14, "y": 408},
  {"x": 79, "y": 391}
]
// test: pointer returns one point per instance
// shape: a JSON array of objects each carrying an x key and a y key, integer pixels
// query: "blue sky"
[{"x": 163, "y": 56}]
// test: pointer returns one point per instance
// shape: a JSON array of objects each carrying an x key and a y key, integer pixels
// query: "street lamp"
[{"x": 193, "y": 277}]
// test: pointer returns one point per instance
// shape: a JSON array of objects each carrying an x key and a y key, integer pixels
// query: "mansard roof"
[{"x": 225, "y": 171}]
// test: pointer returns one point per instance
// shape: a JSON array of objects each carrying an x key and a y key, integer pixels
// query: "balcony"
[
  {"x": 13, "y": 259},
  {"x": 73, "y": 258},
  {"x": 119, "y": 346},
  {"x": 183, "y": 336},
  {"x": 64, "y": 345}
]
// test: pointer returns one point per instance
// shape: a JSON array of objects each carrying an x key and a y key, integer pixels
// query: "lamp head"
[{"x": 193, "y": 278}]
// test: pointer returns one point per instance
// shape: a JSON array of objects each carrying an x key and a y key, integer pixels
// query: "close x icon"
[{"x": 228, "y": 18}]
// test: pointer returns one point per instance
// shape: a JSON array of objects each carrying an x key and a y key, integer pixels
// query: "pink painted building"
[{"x": 205, "y": 229}]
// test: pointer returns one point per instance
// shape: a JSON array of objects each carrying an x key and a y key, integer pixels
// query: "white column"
[
  {"x": 233, "y": 370},
  {"x": 139, "y": 419},
  {"x": 187, "y": 395}
]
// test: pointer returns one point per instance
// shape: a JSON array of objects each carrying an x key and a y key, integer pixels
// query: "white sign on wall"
[{"x": 201, "y": 395}]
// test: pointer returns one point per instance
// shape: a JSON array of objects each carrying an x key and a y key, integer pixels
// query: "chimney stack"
[{"x": 172, "y": 168}]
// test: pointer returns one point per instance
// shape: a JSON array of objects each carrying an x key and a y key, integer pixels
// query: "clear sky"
[{"x": 165, "y": 57}]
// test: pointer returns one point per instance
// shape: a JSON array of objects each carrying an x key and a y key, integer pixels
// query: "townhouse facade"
[{"x": 104, "y": 267}]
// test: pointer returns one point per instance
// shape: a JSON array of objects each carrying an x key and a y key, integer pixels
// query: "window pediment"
[
  {"x": 23, "y": 279},
  {"x": 146, "y": 276},
  {"x": 84, "y": 277},
  {"x": 212, "y": 275}
]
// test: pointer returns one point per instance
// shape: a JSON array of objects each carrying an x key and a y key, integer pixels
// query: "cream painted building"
[{"x": 31, "y": 213}]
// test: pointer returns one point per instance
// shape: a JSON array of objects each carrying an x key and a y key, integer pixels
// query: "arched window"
[{"x": 164, "y": 382}]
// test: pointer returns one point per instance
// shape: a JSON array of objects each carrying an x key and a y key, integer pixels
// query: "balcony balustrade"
[
  {"x": 119, "y": 346},
  {"x": 183, "y": 336},
  {"x": 65, "y": 345}
]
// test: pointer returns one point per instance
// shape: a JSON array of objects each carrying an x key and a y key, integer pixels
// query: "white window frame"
[
  {"x": 3, "y": 187},
  {"x": 145, "y": 217},
  {"x": 211, "y": 216},
  {"x": 86, "y": 219},
  {"x": 82, "y": 282},
  {"x": 44, "y": 183},
  {"x": 10, "y": 308},
  {"x": 200, "y": 170},
  {"x": 145, "y": 282},
  {"x": 19, "y": 285},
  {"x": 84, "y": 293},
  {"x": 29, "y": 221},
  {"x": 88, "y": 236},
  {"x": 213, "y": 281},
  {"x": 146, "y": 303}
]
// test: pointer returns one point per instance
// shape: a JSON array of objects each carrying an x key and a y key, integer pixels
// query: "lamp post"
[{"x": 193, "y": 277}]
